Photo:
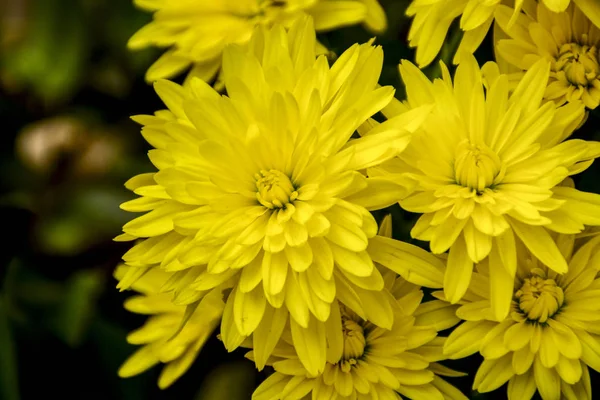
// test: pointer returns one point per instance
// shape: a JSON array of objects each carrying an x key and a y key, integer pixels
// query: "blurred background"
[{"x": 68, "y": 86}]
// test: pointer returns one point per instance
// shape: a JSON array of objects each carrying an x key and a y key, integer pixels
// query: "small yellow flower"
[
  {"x": 432, "y": 19},
  {"x": 163, "y": 337},
  {"x": 487, "y": 165},
  {"x": 568, "y": 40},
  {"x": 196, "y": 32},
  {"x": 368, "y": 362},
  {"x": 550, "y": 338},
  {"x": 263, "y": 188}
]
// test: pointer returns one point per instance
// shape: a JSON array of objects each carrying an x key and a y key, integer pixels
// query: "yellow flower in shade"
[
  {"x": 487, "y": 165},
  {"x": 196, "y": 32},
  {"x": 551, "y": 336},
  {"x": 263, "y": 188},
  {"x": 432, "y": 19},
  {"x": 368, "y": 362},
  {"x": 568, "y": 40},
  {"x": 163, "y": 337}
]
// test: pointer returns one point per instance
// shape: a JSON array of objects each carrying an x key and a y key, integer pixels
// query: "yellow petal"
[
  {"x": 522, "y": 387},
  {"x": 539, "y": 242},
  {"x": 138, "y": 362},
  {"x": 310, "y": 344},
  {"x": 248, "y": 309},
  {"x": 229, "y": 334},
  {"x": 356, "y": 263},
  {"x": 493, "y": 373},
  {"x": 458, "y": 271},
  {"x": 267, "y": 334},
  {"x": 295, "y": 303},
  {"x": 466, "y": 338},
  {"x": 522, "y": 361},
  {"x": 274, "y": 271},
  {"x": 333, "y": 14},
  {"x": 569, "y": 370},
  {"x": 546, "y": 380},
  {"x": 501, "y": 285},
  {"x": 413, "y": 263},
  {"x": 334, "y": 334},
  {"x": 271, "y": 387}
]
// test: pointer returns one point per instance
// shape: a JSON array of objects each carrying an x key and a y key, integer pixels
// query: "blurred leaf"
[
  {"x": 89, "y": 214},
  {"x": 51, "y": 56},
  {"x": 62, "y": 235},
  {"x": 99, "y": 206},
  {"x": 113, "y": 349},
  {"x": 78, "y": 307},
  {"x": 40, "y": 292},
  {"x": 233, "y": 381},
  {"x": 9, "y": 387}
]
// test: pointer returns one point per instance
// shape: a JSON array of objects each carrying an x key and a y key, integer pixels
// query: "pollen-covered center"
[
  {"x": 579, "y": 63},
  {"x": 539, "y": 298},
  {"x": 274, "y": 189},
  {"x": 354, "y": 343},
  {"x": 476, "y": 166}
]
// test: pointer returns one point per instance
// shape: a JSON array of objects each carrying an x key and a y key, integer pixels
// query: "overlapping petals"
[
  {"x": 263, "y": 188},
  {"x": 549, "y": 340},
  {"x": 488, "y": 164},
  {"x": 197, "y": 32}
]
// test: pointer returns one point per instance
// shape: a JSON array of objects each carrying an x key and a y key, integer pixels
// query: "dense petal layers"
[
  {"x": 163, "y": 337},
  {"x": 197, "y": 32},
  {"x": 371, "y": 362},
  {"x": 432, "y": 20},
  {"x": 569, "y": 40},
  {"x": 549, "y": 340},
  {"x": 491, "y": 171},
  {"x": 262, "y": 195}
]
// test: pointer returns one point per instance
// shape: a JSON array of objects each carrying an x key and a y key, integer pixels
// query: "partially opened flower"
[
  {"x": 163, "y": 338},
  {"x": 432, "y": 19},
  {"x": 196, "y": 32},
  {"x": 551, "y": 336},
  {"x": 487, "y": 165},
  {"x": 263, "y": 188},
  {"x": 568, "y": 40},
  {"x": 368, "y": 362}
]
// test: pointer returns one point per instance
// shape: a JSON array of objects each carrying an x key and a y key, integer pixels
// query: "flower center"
[
  {"x": 476, "y": 166},
  {"x": 539, "y": 298},
  {"x": 579, "y": 62},
  {"x": 275, "y": 189},
  {"x": 354, "y": 339}
]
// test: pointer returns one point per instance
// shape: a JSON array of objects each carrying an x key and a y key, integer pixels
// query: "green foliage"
[{"x": 50, "y": 58}]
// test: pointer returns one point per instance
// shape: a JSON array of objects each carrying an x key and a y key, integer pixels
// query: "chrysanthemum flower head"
[
  {"x": 551, "y": 336},
  {"x": 263, "y": 188},
  {"x": 163, "y": 338},
  {"x": 432, "y": 19},
  {"x": 369, "y": 362},
  {"x": 487, "y": 164},
  {"x": 568, "y": 40},
  {"x": 196, "y": 32}
]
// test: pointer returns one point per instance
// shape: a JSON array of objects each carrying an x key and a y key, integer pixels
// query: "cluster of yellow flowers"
[{"x": 258, "y": 220}]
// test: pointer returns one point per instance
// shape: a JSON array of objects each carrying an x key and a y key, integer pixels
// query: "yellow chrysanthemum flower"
[
  {"x": 368, "y": 362},
  {"x": 263, "y": 188},
  {"x": 163, "y": 337},
  {"x": 196, "y": 32},
  {"x": 432, "y": 19},
  {"x": 487, "y": 165},
  {"x": 568, "y": 40},
  {"x": 551, "y": 336}
]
